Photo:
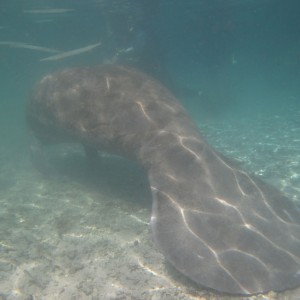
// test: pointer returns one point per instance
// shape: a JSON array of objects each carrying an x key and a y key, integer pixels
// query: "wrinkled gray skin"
[{"x": 219, "y": 226}]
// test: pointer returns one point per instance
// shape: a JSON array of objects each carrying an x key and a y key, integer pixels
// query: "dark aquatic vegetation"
[{"x": 221, "y": 227}]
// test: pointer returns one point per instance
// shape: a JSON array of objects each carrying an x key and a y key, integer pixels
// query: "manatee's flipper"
[
  {"x": 222, "y": 228},
  {"x": 40, "y": 159}
]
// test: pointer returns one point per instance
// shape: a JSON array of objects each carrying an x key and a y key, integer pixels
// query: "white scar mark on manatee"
[
  {"x": 144, "y": 111},
  {"x": 107, "y": 83}
]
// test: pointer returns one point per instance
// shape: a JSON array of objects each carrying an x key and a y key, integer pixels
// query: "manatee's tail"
[{"x": 222, "y": 228}]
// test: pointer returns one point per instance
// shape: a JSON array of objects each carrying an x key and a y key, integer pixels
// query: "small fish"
[
  {"x": 71, "y": 52},
  {"x": 27, "y": 46},
  {"x": 48, "y": 11},
  {"x": 44, "y": 21}
]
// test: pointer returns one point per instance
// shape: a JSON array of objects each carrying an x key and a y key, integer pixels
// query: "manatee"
[{"x": 224, "y": 229}]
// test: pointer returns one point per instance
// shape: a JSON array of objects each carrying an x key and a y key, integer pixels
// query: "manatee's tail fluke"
[{"x": 222, "y": 228}]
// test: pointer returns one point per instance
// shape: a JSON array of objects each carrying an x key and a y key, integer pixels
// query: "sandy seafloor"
[{"x": 82, "y": 233}]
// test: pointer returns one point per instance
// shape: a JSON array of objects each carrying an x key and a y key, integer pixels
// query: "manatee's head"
[
  {"x": 42, "y": 113},
  {"x": 110, "y": 106}
]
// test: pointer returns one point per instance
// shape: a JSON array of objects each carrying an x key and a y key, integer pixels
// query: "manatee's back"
[{"x": 111, "y": 107}]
